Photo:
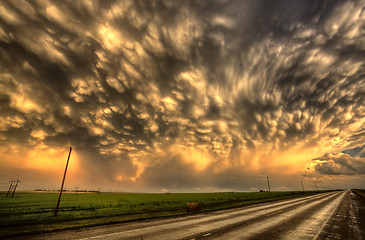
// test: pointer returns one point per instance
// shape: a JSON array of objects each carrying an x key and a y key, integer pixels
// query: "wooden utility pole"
[
  {"x": 302, "y": 185},
  {"x": 12, "y": 188},
  {"x": 268, "y": 183},
  {"x": 63, "y": 181},
  {"x": 16, "y": 184}
]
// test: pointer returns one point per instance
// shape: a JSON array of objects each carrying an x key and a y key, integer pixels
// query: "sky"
[{"x": 182, "y": 96}]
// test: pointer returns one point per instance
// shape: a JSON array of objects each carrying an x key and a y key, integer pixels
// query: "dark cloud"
[
  {"x": 135, "y": 81},
  {"x": 341, "y": 163}
]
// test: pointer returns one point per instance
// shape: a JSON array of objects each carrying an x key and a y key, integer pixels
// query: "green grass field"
[
  {"x": 28, "y": 213},
  {"x": 360, "y": 192}
]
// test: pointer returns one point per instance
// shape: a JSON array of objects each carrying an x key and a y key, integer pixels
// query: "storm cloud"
[
  {"x": 142, "y": 87},
  {"x": 341, "y": 164}
]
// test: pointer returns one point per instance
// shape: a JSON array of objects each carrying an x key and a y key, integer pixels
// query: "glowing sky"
[{"x": 182, "y": 95}]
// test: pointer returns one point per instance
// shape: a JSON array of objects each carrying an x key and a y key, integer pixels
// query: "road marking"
[
  {"x": 270, "y": 214},
  {"x": 243, "y": 214},
  {"x": 313, "y": 225},
  {"x": 264, "y": 225},
  {"x": 334, "y": 205},
  {"x": 118, "y": 233}
]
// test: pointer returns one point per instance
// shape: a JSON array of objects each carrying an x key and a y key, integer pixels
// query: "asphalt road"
[{"x": 334, "y": 215}]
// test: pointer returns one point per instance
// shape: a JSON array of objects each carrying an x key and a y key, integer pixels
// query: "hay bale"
[{"x": 193, "y": 207}]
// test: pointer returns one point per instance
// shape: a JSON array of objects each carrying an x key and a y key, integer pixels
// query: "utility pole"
[
  {"x": 302, "y": 185},
  {"x": 12, "y": 188},
  {"x": 63, "y": 181},
  {"x": 268, "y": 183}
]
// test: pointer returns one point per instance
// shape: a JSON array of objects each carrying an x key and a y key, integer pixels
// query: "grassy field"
[
  {"x": 27, "y": 213},
  {"x": 360, "y": 192}
]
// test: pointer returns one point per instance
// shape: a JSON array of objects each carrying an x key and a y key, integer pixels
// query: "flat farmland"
[{"x": 33, "y": 212}]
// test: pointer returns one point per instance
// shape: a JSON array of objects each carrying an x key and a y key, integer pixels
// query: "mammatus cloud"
[{"x": 232, "y": 88}]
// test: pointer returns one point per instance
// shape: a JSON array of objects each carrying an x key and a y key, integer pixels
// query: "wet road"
[{"x": 334, "y": 215}]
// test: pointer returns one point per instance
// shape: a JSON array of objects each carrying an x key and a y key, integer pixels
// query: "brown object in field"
[
  {"x": 193, "y": 207},
  {"x": 63, "y": 182}
]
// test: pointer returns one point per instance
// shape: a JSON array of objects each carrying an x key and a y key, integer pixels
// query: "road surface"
[{"x": 333, "y": 215}]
